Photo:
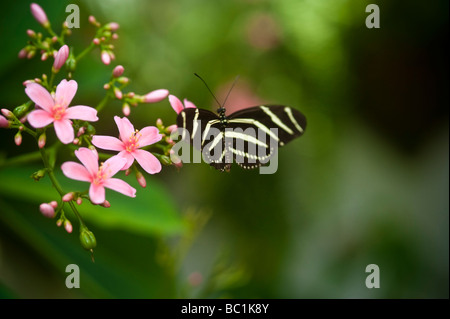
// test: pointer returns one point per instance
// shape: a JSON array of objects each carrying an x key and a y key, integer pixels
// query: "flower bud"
[
  {"x": 71, "y": 63},
  {"x": 59, "y": 222},
  {"x": 118, "y": 71},
  {"x": 123, "y": 80},
  {"x": 126, "y": 109},
  {"x": 118, "y": 93},
  {"x": 31, "y": 33},
  {"x": 39, "y": 14},
  {"x": 87, "y": 239},
  {"x": 47, "y": 210},
  {"x": 113, "y": 26},
  {"x": 141, "y": 179},
  {"x": 105, "y": 204},
  {"x": 96, "y": 41},
  {"x": 68, "y": 226},
  {"x": 106, "y": 58},
  {"x": 4, "y": 123},
  {"x": 8, "y": 114},
  {"x": 68, "y": 197},
  {"x": 81, "y": 131},
  {"x": 61, "y": 57},
  {"x": 18, "y": 138},
  {"x": 21, "y": 110},
  {"x": 90, "y": 130},
  {"x": 23, "y": 54},
  {"x": 79, "y": 200},
  {"x": 41, "y": 140},
  {"x": 155, "y": 96},
  {"x": 54, "y": 204},
  {"x": 38, "y": 175},
  {"x": 165, "y": 160}
]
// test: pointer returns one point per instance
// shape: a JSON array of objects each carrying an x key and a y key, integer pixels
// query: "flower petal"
[
  {"x": 65, "y": 91},
  {"x": 64, "y": 131},
  {"x": 148, "y": 161},
  {"x": 189, "y": 104},
  {"x": 113, "y": 164},
  {"x": 126, "y": 129},
  {"x": 149, "y": 135},
  {"x": 39, "y": 118},
  {"x": 76, "y": 171},
  {"x": 120, "y": 186},
  {"x": 130, "y": 159},
  {"x": 39, "y": 95},
  {"x": 88, "y": 159},
  {"x": 156, "y": 96},
  {"x": 108, "y": 143},
  {"x": 175, "y": 103},
  {"x": 97, "y": 193},
  {"x": 82, "y": 112}
]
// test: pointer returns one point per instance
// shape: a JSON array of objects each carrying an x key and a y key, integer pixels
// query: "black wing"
[
  {"x": 204, "y": 131},
  {"x": 251, "y": 137}
]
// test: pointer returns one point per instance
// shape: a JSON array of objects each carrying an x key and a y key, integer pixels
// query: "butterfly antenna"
[
  {"x": 231, "y": 88},
  {"x": 208, "y": 88}
]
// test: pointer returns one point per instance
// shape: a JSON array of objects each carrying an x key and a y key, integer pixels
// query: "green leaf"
[{"x": 152, "y": 211}]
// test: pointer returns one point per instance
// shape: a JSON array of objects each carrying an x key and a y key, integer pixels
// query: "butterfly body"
[{"x": 250, "y": 137}]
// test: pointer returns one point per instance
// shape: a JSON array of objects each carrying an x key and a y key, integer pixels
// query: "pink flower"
[
  {"x": 47, "y": 210},
  {"x": 56, "y": 110},
  {"x": 177, "y": 105},
  {"x": 4, "y": 122},
  {"x": 61, "y": 57},
  {"x": 39, "y": 14},
  {"x": 155, "y": 96},
  {"x": 129, "y": 143},
  {"x": 99, "y": 177}
]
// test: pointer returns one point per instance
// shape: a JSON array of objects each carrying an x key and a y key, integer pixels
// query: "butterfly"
[{"x": 250, "y": 137}]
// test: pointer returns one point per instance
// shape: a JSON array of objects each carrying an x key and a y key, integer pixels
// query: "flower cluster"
[{"x": 50, "y": 106}]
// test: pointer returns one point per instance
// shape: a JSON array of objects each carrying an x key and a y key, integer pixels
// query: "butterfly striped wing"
[
  {"x": 203, "y": 129},
  {"x": 260, "y": 122},
  {"x": 247, "y": 136}
]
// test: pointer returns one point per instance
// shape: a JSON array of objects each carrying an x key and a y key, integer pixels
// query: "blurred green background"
[{"x": 367, "y": 184}]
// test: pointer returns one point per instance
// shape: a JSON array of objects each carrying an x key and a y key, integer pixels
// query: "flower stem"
[
  {"x": 103, "y": 102},
  {"x": 85, "y": 51}
]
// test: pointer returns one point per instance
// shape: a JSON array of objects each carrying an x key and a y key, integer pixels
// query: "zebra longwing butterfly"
[{"x": 250, "y": 136}]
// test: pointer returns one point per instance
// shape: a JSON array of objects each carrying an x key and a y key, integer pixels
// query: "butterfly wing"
[
  {"x": 257, "y": 132},
  {"x": 204, "y": 131}
]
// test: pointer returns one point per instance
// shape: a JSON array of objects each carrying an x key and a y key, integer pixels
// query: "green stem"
[
  {"x": 57, "y": 186},
  {"x": 103, "y": 102},
  {"x": 85, "y": 51},
  {"x": 53, "y": 34},
  {"x": 21, "y": 159}
]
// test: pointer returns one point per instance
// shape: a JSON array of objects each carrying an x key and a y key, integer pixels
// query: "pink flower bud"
[
  {"x": 59, "y": 222},
  {"x": 195, "y": 279},
  {"x": 93, "y": 21},
  {"x": 126, "y": 109},
  {"x": 68, "y": 226},
  {"x": 106, "y": 86},
  {"x": 141, "y": 179},
  {"x": 41, "y": 140},
  {"x": 118, "y": 71},
  {"x": 31, "y": 33},
  {"x": 159, "y": 122},
  {"x": 118, "y": 93},
  {"x": 44, "y": 56},
  {"x": 68, "y": 197},
  {"x": 76, "y": 141},
  {"x": 47, "y": 210},
  {"x": 39, "y": 14},
  {"x": 18, "y": 138},
  {"x": 7, "y": 113},
  {"x": 113, "y": 26},
  {"x": 156, "y": 96},
  {"x": 96, "y": 41},
  {"x": 23, "y": 54},
  {"x": 115, "y": 36},
  {"x": 106, "y": 58},
  {"x": 106, "y": 204},
  {"x": 54, "y": 204},
  {"x": 127, "y": 171},
  {"x": 131, "y": 94},
  {"x": 81, "y": 131},
  {"x": 172, "y": 128},
  {"x": 61, "y": 57},
  {"x": 54, "y": 39},
  {"x": 4, "y": 123},
  {"x": 79, "y": 200}
]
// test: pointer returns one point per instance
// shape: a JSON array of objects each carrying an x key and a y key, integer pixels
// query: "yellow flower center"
[
  {"x": 58, "y": 111},
  {"x": 100, "y": 176},
  {"x": 132, "y": 144}
]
